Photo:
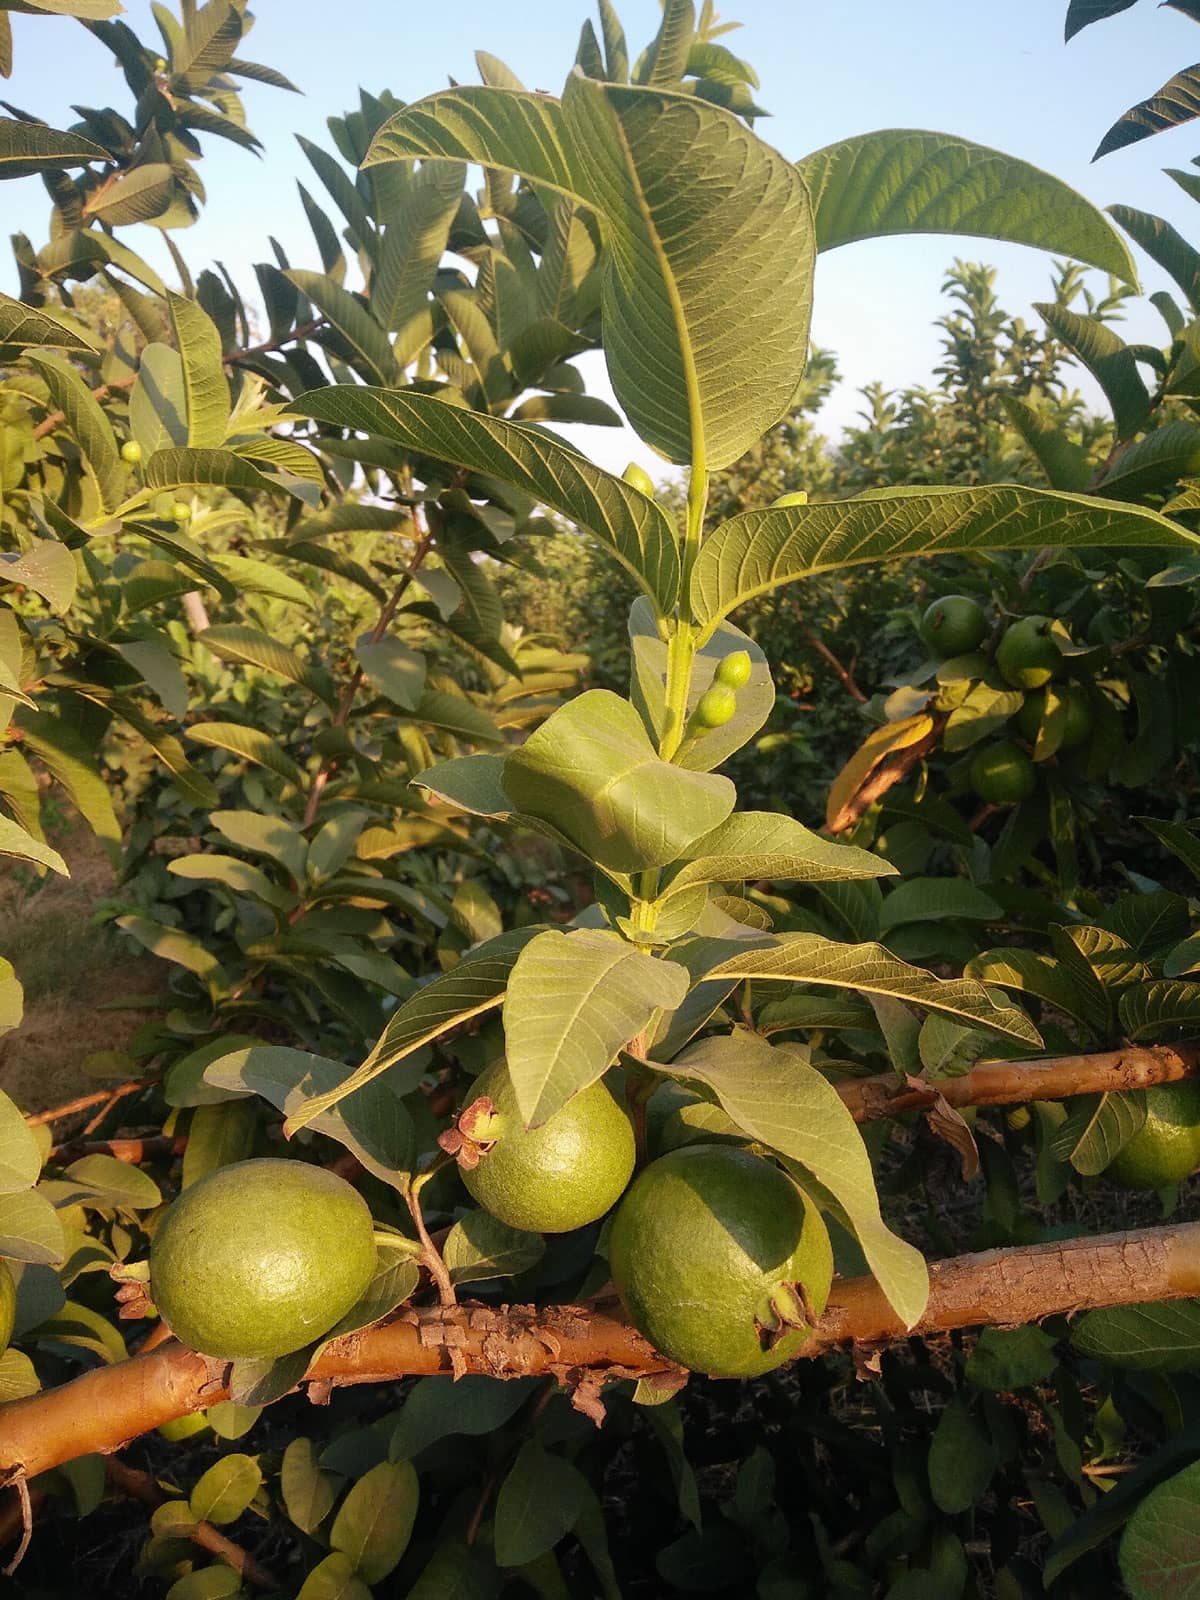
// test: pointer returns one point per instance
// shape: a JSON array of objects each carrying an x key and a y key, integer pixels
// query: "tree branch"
[
  {"x": 1006, "y": 1083},
  {"x": 845, "y": 675},
  {"x": 141, "y": 1486},
  {"x": 108, "y": 1406},
  {"x": 885, "y": 776}
]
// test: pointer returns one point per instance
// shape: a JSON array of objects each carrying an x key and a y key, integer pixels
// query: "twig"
[
  {"x": 86, "y": 1101},
  {"x": 885, "y": 777},
  {"x": 21, "y": 1484},
  {"x": 141, "y": 1486},
  {"x": 132, "y": 1151},
  {"x": 110, "y": 1405},
  {"x": 844, "y": 674}
]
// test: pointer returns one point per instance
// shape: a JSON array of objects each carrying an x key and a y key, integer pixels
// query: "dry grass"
[{"x": 69, "y": 968}]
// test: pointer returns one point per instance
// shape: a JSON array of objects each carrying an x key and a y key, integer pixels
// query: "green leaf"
[
  {"x": 1012, "y": 1358},
  {"x": 18, "y": 1376},
  {"x": 474, "y": 1405},
  {"x": 395, "y": 1280},
  {"x": 480, "y": 1246},
  {"x": 900, "y": 180},
  {"x": 353, "y": 321},
  {"x": 1148, "y": 1010},
  {"x": 172, "y": 469},
  {"x": 1177, "y": 102},
  {"x": 1082, "y": 13},
  {"x": 12, "y": 998},
  {"x": 476, "y": 985},
  {"x": 1179, "y": 840},
  {"x": 333, "y": 1579},
  {"x": 206, "y": 1583},
  {"x": 236, "y": 642},
  {"x": 15, "y": 841},
  {"x": 48, "y": 568},
  {"x": 574, "y": 999},
  {"x": 1097, "y": 1129},
  {"x": 1108, "y": 358},
  {"x": 1152, "y": 464},
  {"x": 870, "y": 969},
  {"x": 30, "y": 1229},
  {"x": 371, "y": 1120},
  {"x": 1150, "y": 1337},
  {"x": 591, "y": 773},
  {"x": 199, "y": 343},
  {"x": 766, "y": 844},
  {"x": 705, "y": 346},
  {"x": 22, "y": 325},
  {"x": 218, "y": 1135},
  {"x": 539, "y": 1502},
  {"x": 1165, "y": 245},
  {"x": 251, "y": 744},
  {"x": 376, "y": 1519},
  {"x": 86, "y": 419},
  {"x": 173, "y": 944},
  {"x": 226, "y": 1489},
  {"x": 1064, "y": 462},
  {"x": 273, "y": 837},
  {"x": 135, "y": 196},
  {"x": 116, "y": 1183},
  {"x": 666, "y": 61},
  {"x": 1160, "y": 1548},
  {"x": 773, "y": 1093},
  {"x": 395, "y": 670},
  {"x": 758, "y": 551},
  {"x": 412, "y": 249},
  {"x": 451, "y": 713},
  {"x": 633, "y": 527},
  {"x": 20, "y": 1156},
  {"x": 158, "y": 402},
  {"x": 308, "y": 1492},
  {"x": 1029, "y": 972},
  {"x": 962, "y": 1459},
  {"x": 936, "y": 900},
  {"x": 27, "y": 147},
  {"x": 158, "y": 667},
  {"x": 66, "y": 756}
]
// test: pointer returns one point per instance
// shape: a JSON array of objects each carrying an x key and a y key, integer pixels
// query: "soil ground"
[{"x": 70, "y": 969}]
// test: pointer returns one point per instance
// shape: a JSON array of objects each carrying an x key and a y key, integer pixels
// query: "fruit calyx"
[
  {"x": 786, "y": 1308},
  {"x": 474, "y": 1133}
]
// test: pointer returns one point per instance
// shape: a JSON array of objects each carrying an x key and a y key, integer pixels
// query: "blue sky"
[{"x": 996, "y": 73}]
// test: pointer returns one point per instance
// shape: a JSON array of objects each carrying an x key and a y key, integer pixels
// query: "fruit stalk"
[{"x": 109, "y": 1406}]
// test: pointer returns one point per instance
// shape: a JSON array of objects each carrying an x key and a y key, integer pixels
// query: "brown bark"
[
  {"x": 102, "y": 1097},
  {"x": 107, "y": 1407},
  {"x": 132, "y": 1151},
  {"x": 1004, "y": 1083}
]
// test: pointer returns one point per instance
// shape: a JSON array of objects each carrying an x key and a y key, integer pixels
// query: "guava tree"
[{"x": 646, "y": 1032}]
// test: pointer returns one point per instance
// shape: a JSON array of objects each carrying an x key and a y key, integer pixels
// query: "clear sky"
[{"x": 996, "y": 73}]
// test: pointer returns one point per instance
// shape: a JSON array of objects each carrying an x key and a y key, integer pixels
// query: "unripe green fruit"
[
  {"x": 181, "y": 511},
  {"x": 131, "y": 452},
  {"x": 953, "y": 626},
  {"x": 734, "y": 670},
  {"x": 1027, "y": 655},
  {"x": 638, "y": 478},
  {"x": 798, "y": 497},
  {"x": 1078, "y": 716},
  {"x": 8, "y": 1305},
  {"x": 1002, "y": 774},
  {"x": 557, "y": 1177},
  {"x": 715, "y": 707},
  {"x": 703, "y": 1251},
  {"x": 261, "y": 1258},
  {"x": 1166, "y": 1148}
]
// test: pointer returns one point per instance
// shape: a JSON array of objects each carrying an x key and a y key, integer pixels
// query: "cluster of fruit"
[{"x": 1027, "y": 658}]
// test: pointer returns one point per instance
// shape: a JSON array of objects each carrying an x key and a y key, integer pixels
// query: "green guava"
[
  {"x": 953, "y": 626},
  {"x": 1078, "y": 723},
  {"x": 1166, "y": 1148},
  {"x": 1002, "y": 774},
  {"x": 1027, "y": 655}
]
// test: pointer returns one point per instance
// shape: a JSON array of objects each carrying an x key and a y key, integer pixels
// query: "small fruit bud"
[
  {"x": 181, "y": 511},
  {"x": 715, "y": 707},
  {"x": 638, "y": 478},
  {"x": 734, "y": 670},
  {"x": 131, "y": 452},
  {"x": 798, "y": 497}
]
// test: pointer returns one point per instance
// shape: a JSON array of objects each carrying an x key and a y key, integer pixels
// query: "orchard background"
[{"x": 374, "y": 907}]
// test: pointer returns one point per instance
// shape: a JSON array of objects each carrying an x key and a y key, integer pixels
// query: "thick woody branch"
[
  {"x": 1006, "y": 1083},
  {"x": 106, "y": 1408}
]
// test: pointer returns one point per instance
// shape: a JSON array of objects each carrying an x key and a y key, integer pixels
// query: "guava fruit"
[
  {"x": 1002, "y": 774},
  {"x": 734, "y": 670},
  {"x": 261, "y": 1258},
  {"x": 1027, "y": 655},
  {"x": 717, "y": 1256},
  {"x": 555, "y": 1178},
  {"x": 1078, "y": 723},
  {"x": 953, "y": 625},
  {"x": 1166, "y": 1148}
]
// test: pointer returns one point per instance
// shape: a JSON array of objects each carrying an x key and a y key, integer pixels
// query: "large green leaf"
[
  {"x": 158, "y": 403},
  {"x": 870, "y": 969},
  {"x": 171, "y": 469},
  {"x": 760, "y": 550},
  {"x": 632, "y": 525},
  {"x": 16, "y": 841},
  {"x": 46, "y": 567},
  {"x": 765, "y": 844},
  {"x": 412, "y": 248},
  {"x": 353, "y": 321},
  {"x": 1146, "y": 1337},
  {"x": 1177, "y": 102},
  {"x": 1108, "y": 358},
  {"x": 476, "y": 985},
  {"x": 707, "y": 287},
  {"x": 199, "y": 343},
  {"x": 592, "y": 774},
  {"x": 135, "y": 196},
  {"x": 1082, "y": 13},
  {"x": 1160, "y": 1548},
  {"x": 87, "y": 421},
  {"x": 252, "y": 744},
  {"x": 900, "y": 180},
  {"x": 773, "y": 1093},
  {"x": 574, "y": 999},
  {"x": 22, "y": 325},
  {"x": 27, "y": 147},
  {"x": 67, "y": 757},
  {"x": 1166, "y": 245}
]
